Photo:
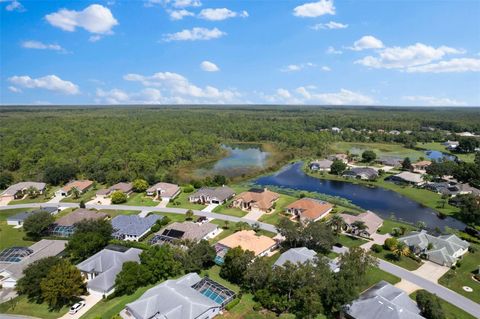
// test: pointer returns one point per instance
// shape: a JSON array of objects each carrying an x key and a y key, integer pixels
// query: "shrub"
[
  {"x": 377, "y": 248},
  {"x": 232, "y": 304},
  {"x": 390, "y": 243},
  {"x": 118, "y": 197},
  {"x": 82, "y": 204},
  {"x": 188, "y": 189}
]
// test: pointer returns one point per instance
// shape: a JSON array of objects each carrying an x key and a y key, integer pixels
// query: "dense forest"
[{"x": 111, "y": 144}]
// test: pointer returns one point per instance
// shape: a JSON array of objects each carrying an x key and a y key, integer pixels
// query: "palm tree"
[
  {"x": 337, "y": 223},
  {"x": 32, "y": 192},
  {"x": 401, "y": 250},
  {"x": 75, "y": 193},
  {"x": 358, "y": 226}
]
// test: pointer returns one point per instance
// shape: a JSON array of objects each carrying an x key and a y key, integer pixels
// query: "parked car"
[{"x": 76, "y": 307}]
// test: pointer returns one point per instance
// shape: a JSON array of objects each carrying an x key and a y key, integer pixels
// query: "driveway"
[
  {"x": 431, "y": 271},
  {"x": 56, "y": 199},
  {"x": 163, "y": 203},
  {"x": 376, "y": 239},
  {"x": 254, "y": 215},
  {"x": 209, "y": 208},
  {"x": 99, "y": 200},
  {"x": 90, "y": 301},
  {"x": 407, "y": 286}
]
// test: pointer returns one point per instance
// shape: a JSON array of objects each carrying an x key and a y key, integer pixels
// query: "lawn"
[
  {"x": 441, "y": 148},
  {"x": 462, "y": 276},
  {"x": 282, "y": 202},
  {"x": 181, "y": 201},
  {"x": 140, "y": 199},
  {"x": 389, "y": 225},
  {"x": 108, "y": 308},
  {"x": 374, "y": 275},
  {"x": 12, "y": 236},
  {"x": 21, "y": 306},
  {"x": 381, "y": 149},
  {"x": 4, "y": 214},
  {"x": 450, "y": 311},
  {"x": 232, "y": 211},
  {"x": 350, "y": 242},
  {"x": 405, "y": 262}
]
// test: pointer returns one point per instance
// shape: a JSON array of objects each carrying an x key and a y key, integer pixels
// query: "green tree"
[
  {"x": 407, "y": 164},
  {"x": 189, "y": 215},
  {"x": 83, "y": 245},
  {"x": 75, "y": 193},
  {"x": 82, "y": 204},
  {"x": 6, "y": 179},
  {"x": 118, "y": 197},
  {"x": 358, "y": 227},
  {"x": 470, "y": 209},
  {"x": 37, "y": 224},
  {"x": 199, "y": 256},
  {"x": 429, "y": 304},
  {"x": 235, "y": 264},
  {"x": 338, "y": 167},
  {"x": 161, "y": 262},
  {"x": 132, "y": 277},
  {"x": 140, "y": 185},
  {"x": 32, "y": 192},
  {"x": 390, "y": 243},
  {"x": 401, "y": 250},
  {"x": 62, "y": 285},
  {"x": 258, "y": 274},
  {"x": 467, "y": 145},
  {"x": 29, "y": 284},
  {"x": 337, "y": 223},
  {"x": 369, "y": 156}
]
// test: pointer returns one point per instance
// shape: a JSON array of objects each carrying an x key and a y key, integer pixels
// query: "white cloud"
[
  {"x": 367, "y": 42},
  {"x": 297, "y": 67},
  {"x": 433, "y": 101},
  {"x": 314, "y": 9},
  {"x": 48, "y": 82},
  {"x": 32, "y": 44},
  {"x": 180, "y": 14},
  {"x": 186, "y": 3},
  {"x": 329, "y": 25},
  {"x": 326, "y": 68},
  {"x": 404, "y": 57},
  {"x": 14, "y": 89},
  {"x": 220, "y": 14},
  {"x": 309, "y": 95},
  {"x": 453, "y": 65},
  {"x": 194, "y": 34},
  {"x": 95, "y": 38},
  {"x": 208, "y": 66},
  {"x": 332, "y": 50},
  {"x": 178, "y": 86},
  {"x": 94, "y": 18},
  {"x": 15, "y": 6}
]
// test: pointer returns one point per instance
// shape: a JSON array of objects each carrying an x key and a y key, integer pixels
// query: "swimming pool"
[{"x": 209, "y": 293}]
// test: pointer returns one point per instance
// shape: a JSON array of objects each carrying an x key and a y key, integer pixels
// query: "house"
[
  {"x": 444, "y": 250},
  {"x": 336, "y": 130},
  {"x": 256, "y": 200},
  {"x": 466, "y": 134},
  {"x": 101, "y": 269},
  {"x": 421, "y": 165},
  {"x": 133, "y": 227},
  {"x": 390, "y": 161},
  {"x": 321, "y": 165},
  {"x": 13, "y": 261},
  {"x": 164, "y": 191},
  {"x": 394, "y": 132},
  {"x": 298, "y": 255},
  {"x": 365, "y": 173},
  {"x": 126, "y": 188},
  {"x": 370, "y": 219},
  {"x": 339, "y": 157},
  {"x": 18, "y": 219},
  {"x": 247, "y": 240},
  {"x": 81, "y": 185},
  {"x": 188, "y": 297},
  {"x": 408, "y": 178},
  {"x": 186, "y": 231},
  {"x": 451, "y": 145},
  {"x": 19, "y": 190},
  {"x": 444, "y": 188},
  {"x": 309, "y": 209},
  {"x": 65, "y": 226},
  {"x": 383, "y": 301},
  {"x": 211, "y": 195}
]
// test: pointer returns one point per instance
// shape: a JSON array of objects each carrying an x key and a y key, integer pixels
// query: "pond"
[
  {"x": 439, "y": 156},
  {"x": 241, "y": 159},
  {"x": 385, "y": 203}
]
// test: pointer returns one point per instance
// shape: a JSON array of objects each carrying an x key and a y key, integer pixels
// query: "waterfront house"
[
  {"x": 340, "y": 157},
  {"x": 451, "y": 145},
  {"x": 364, "y": 173},
  {"x": 321, "y": 165},
  {"x": 309, "y": 209},
  {"x": 256, "y": 200},
  {"x": 212, "y": 195},
  {"x": 163, "y": 191},
  {"x": 408, "y": 178}
]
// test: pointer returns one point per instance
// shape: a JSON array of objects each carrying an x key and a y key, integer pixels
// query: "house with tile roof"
[
  {"x": 383, "y": 301},
  {"x": 212, "y": 195},
  {"x": 126, "y": 188},
  {"x": 370, "y": 219},
  {"x": 256, "y": 200},
  {"x": 101, "y": 269},
  {"x": 163, "y": 190},
  {"x": 133, "y": 227},
  {"x": 444, "y": 250},
  {"x": 81, "y": 185},
  {"x": 309, "y": 209}
]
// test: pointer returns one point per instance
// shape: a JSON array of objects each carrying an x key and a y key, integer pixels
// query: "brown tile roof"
[
  {"x": 79, "y": 215},
  {"x": 80, "y": 185},
  {"x": 311, "y": 208},
  {"x": 262, "y": 199},
  {"x": 168, "y": 190},
  {"x": 421, "y": 163},
  {"x": 371, "y": 220},
  {"x": 248, "y": 240},
  {"x": 122, "y": 187}
]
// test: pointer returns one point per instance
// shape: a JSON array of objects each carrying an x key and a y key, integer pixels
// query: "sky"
[{"x": 326, "y": 52}]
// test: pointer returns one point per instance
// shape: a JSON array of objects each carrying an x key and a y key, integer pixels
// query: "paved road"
[{"x": 444, "y": 293}]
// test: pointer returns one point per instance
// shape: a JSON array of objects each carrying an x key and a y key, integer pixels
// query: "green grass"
[
  {"x": 381, "y": 149},
  {"x": 441, "y": 148},
  {"x": 39, "y": 199},
  {"x": 404, "y": 262},
  {"x": 389, "y": 225},
  {"x": 12, "y": 236},
  {"x": 114, "y": 212},
  {"x": 450, "y": 311},
  {"x": 231, "y": 211},
  {"x": 282, "y": 202},
  {"x": 350, "y": 242},
  {"x": 462, "y": 276},
  {"x": 140, "y": 199},
  {"x": 21, "y": 306},
  {"x": 182, "y": 201},
  {"x": 4, "y": 214},
  {"x": 374, "y": 275},
  {"x": 108, "y": 308}
]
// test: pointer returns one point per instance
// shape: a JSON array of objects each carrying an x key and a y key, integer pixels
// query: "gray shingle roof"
[
  {"x": 13, "y": 189},
  {"x": 221, "y": 193},
  {"x": 107, "y": 264},
  {"x": 167, "y": 189},
  {"x": 296, "y": 255},
  {"x": 172, "y": 299},
  {"x": 384, "y": 301},
  {"x": 133, "y": 225},
  {"x": 367, "y": 171}
]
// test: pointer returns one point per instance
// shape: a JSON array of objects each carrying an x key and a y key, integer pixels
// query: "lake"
[
  {"x": 241, "y": 159},
  {"x": 382, "y": 201}
]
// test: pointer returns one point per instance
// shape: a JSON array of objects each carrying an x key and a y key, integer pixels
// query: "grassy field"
[
  {"x": 12, "y": 236},
  {"x": 140, "y": 199},
  {"x": 4, "y": 214},
  {"x": 450, "y": 311},
  {"x": 381, "y": 149},
  {"x": 350, "y": 242},
  {"x": 389, "y": 225},
  {"x": 282, "y": 202},
  {"x": 462, "y": 276},
  {"x": 21, "y": 306},
  {"x": 441, "y": 148},
  {"x": 405, "y": 262},
  {"x": 182, "y": 200}
]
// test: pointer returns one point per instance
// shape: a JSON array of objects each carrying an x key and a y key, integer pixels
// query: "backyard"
[
  {"x": 389, "y": 225},
  {"x": 349, "y": 241}
]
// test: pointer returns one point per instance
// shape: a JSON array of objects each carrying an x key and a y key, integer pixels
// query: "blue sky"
[{"x": 280, "y": 52}]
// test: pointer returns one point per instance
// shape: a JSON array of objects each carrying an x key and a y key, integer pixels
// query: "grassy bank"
[
  {"x": 381, "y": 149},
  {"x": 441, "y": 148}
]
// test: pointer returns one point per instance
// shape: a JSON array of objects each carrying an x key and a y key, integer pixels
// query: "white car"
[{"x": 76, "y": 307}]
